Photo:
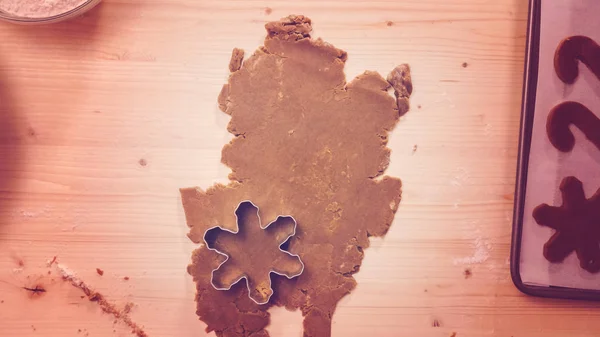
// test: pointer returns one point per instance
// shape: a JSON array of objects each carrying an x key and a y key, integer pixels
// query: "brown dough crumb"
[
  {"x": 414, "y": 150},
  {"x": 468, "y": 273},
  {"x": 294, "y": 27},
  {"x": 268, "y": 10},
  {"x": 310, "y": 145},
  {"x": 143, "y": 162},
  {"x": 237, "y": 56},
  {"x": 465, "y": 64},
  {"x": 401, "y": 81},
  {"x": 126, "y": 278},
  {"x": 389, "y": 23},
  {"x": 106, "y": 306},
  {"x": 99, "y": 271},
  {"x": 453, "y": 334},
  {"x": 128, "y": 307},
  {"x": 436, "y": 323}
]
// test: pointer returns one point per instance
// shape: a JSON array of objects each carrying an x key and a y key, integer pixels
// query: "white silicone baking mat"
[{"x": 548, "y": 166}]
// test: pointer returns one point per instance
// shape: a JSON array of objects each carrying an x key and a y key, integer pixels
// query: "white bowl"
[{"x": 84, "y": 7}]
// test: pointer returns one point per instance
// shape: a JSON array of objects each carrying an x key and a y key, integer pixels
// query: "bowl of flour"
[{"x": 43, "y": 11}]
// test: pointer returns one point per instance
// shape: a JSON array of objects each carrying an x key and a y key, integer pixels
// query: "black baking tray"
[{"x": 527, "y": 113}]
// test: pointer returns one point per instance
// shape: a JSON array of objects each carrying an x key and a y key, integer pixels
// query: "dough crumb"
[
  {"x": 50, "y": 262},
  {"x": 294, "y": 27},
  {"x": 401, "y": 81},
  {"x": 106, "y": 306},
  {"x": 237, "y": 56}
]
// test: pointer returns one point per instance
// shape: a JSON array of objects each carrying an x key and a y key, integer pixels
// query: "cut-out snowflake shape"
[
  {"x": 253, "y": 252},
  {"x": 577, "y": 225}
]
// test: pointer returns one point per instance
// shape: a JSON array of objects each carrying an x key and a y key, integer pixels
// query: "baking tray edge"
[{"x": 527, "y": 113}]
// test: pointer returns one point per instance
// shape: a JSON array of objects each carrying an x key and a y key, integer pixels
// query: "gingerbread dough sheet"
[
  {"x": 309, "y": 145},
  {"x": 548, "y": 164}
]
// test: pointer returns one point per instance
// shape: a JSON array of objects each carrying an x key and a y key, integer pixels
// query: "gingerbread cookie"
[
  {"x": 577, "y": 226},
  {"x": 573, "y": 49},
  {"x": 571, "y": 113}
]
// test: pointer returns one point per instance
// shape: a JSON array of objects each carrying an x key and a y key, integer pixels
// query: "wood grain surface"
[{"x": 103, "y": 118}]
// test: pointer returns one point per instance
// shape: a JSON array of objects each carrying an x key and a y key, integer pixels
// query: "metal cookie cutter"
[{"x": 247, "y": 264}]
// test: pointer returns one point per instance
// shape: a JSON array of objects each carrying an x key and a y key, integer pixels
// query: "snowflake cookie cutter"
[{"x": 266, "y": 293}]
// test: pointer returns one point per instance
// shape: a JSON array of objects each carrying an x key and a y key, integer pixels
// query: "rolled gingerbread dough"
[{"x": 309, "y": 145}]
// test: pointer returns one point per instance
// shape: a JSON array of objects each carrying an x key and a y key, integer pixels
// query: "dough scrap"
[
  {"x": 237, "y": 56},
  {"x": 309, "y": 145}
]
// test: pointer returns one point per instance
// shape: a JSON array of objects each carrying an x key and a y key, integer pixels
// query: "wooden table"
[{"x": 104, "y": 117}]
